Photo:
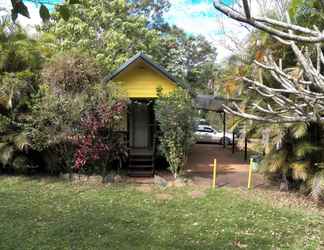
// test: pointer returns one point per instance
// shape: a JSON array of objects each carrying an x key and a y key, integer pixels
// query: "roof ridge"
[{"x": 147, "y": 60}]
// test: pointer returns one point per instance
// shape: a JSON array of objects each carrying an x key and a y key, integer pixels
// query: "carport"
[{"x": 216, "y": 104}]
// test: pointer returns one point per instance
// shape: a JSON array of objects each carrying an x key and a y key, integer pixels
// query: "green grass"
[{"x": 49, "y": 214}]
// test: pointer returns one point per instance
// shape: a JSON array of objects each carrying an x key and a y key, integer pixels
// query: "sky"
[
  {"x": 199, "y": 17},
  {"x": 196, "y": 17}
]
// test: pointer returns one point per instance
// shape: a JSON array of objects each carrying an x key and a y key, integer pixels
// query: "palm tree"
[
  {"x": 19, "y": 62},
  {"x": 291, "y": 151}
]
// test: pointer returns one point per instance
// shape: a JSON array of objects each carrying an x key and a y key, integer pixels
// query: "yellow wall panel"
[{"x": 140, "y": 80}]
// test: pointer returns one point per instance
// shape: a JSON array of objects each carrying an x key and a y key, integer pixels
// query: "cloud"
[
  {"x": 200, "y": 17},
  {"x": 27, "y": 23}
]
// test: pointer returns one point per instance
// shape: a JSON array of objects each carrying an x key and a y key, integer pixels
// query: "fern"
[
  {"x": 22, "y": 141},
  {"x": 300, "y": 170},
  {"x": 299, "y": 130},
  {"x": 304, "y": 148},
  {"x": 275, "y": 161}
]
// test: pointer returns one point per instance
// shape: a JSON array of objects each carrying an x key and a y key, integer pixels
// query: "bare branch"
[
  {"x": 247, "y": 9},
  {"x": 288, "y": 26},
  {"x": 268, "y": 26},
  {"x": 299, "y": 92},
  {"x": 275, "y": 119}
]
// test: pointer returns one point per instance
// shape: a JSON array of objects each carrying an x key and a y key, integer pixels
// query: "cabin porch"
[{"x": 142, "y": 137}]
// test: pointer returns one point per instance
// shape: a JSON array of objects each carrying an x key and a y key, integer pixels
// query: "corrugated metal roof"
[{"x": 212, "y": 103}]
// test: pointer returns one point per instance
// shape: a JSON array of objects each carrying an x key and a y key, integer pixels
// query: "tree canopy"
[{"x": 114, "y": 31}]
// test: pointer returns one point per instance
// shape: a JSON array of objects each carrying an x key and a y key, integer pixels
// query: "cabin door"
[{"x": 141, "y": 129}]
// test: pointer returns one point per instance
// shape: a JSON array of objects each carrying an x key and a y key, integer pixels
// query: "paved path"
[{"x": 232, "y": 170}]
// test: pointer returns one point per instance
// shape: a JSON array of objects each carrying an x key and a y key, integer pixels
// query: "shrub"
[
  {"x": 78, "y": 129},
  {"x": 96, "y": 140},
  {"x": 176, "y": 116},
  {"x": 71, "y": 72}
]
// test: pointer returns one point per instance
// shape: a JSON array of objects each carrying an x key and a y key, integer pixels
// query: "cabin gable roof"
[{"x": 147, "y": 60}]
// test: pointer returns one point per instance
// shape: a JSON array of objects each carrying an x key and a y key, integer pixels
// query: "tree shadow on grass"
[{"x": 119, "y": 217}]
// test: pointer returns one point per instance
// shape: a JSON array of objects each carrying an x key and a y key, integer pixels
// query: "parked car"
[{"x": 209, "y": 134}]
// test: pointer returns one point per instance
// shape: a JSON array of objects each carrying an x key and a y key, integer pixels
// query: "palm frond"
[
  {"x": 304, "y": 148},
  {"x": 22, "y": 141},
  {"x": 4, "y": 123},
  {"x": 300, "y": 170},
  {"x": 275, "y": 161},
  {"x": 299, "y": 130},
  {"x": 6, "y": 153},
  {"x": 278, "y": 136}
]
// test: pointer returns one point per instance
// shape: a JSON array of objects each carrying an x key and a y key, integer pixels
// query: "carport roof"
[{"x": 212, "y": 103}]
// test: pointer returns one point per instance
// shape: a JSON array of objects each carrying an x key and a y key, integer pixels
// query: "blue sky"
[
  {"x": 196, "y": 16},
  {"x": 49, "y": 3},
  {"x": 199, "y": 17}
]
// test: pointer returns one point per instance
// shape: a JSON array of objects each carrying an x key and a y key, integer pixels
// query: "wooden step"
[
  {"x": 140, "y": 166},
  {"x": 141, "y": 163},
  {"x": 140, "y": 158},
  {"x": 140, "y": 173},
  {"x": 144, "y": 157},
  {"x": 135, "y": 152}
]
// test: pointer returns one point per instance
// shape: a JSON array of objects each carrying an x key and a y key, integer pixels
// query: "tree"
[
  {"x": 122, "y": 29},
  {"x": 192, "y": 59},
  {"x": 20, "y": 62},
  {"x": 74, "y": 115},
  {"x": 152, "y": 10},
  {"x": 305, "y": 84},
  {"x": 292, "y": 95},
  {"x": 106, "y": 31},
  {"x": 175, "y": 115},
  {"x": 71, "y": 72}
]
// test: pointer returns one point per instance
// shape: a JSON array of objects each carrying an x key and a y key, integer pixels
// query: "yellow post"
[
  {"x": 214, "y": 173},
  {"x": 250, "y": 174}
]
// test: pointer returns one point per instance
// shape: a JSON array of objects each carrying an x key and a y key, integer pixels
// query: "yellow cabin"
[{"x": 141, "y": 77}]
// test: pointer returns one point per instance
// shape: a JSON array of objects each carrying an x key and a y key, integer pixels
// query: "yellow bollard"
[
  {"x": 214, "y": 173},
  {"x": 250, "y": 174}
]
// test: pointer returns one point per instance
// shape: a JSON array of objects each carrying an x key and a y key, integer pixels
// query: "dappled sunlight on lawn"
[{"x": 62, "y": 215}]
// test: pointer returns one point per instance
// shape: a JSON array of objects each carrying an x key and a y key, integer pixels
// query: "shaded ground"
[{"x": 232, "y": 170}]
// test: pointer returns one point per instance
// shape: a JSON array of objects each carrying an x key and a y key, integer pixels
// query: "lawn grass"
[{"x": 50, "y": 214}]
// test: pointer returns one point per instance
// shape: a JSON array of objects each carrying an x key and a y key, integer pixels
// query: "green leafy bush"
[
  {"x": 176, "y": 116},
  {"x": 66, "y": 105}
]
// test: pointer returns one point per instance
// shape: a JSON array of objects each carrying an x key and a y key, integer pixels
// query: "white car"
[{"x": 208, "y": 134}]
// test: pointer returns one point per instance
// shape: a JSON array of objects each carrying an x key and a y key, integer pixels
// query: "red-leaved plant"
[{"x": 96, "y": 141}]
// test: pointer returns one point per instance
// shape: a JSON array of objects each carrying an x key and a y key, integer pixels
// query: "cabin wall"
[{"x": 142, "y": 81}]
